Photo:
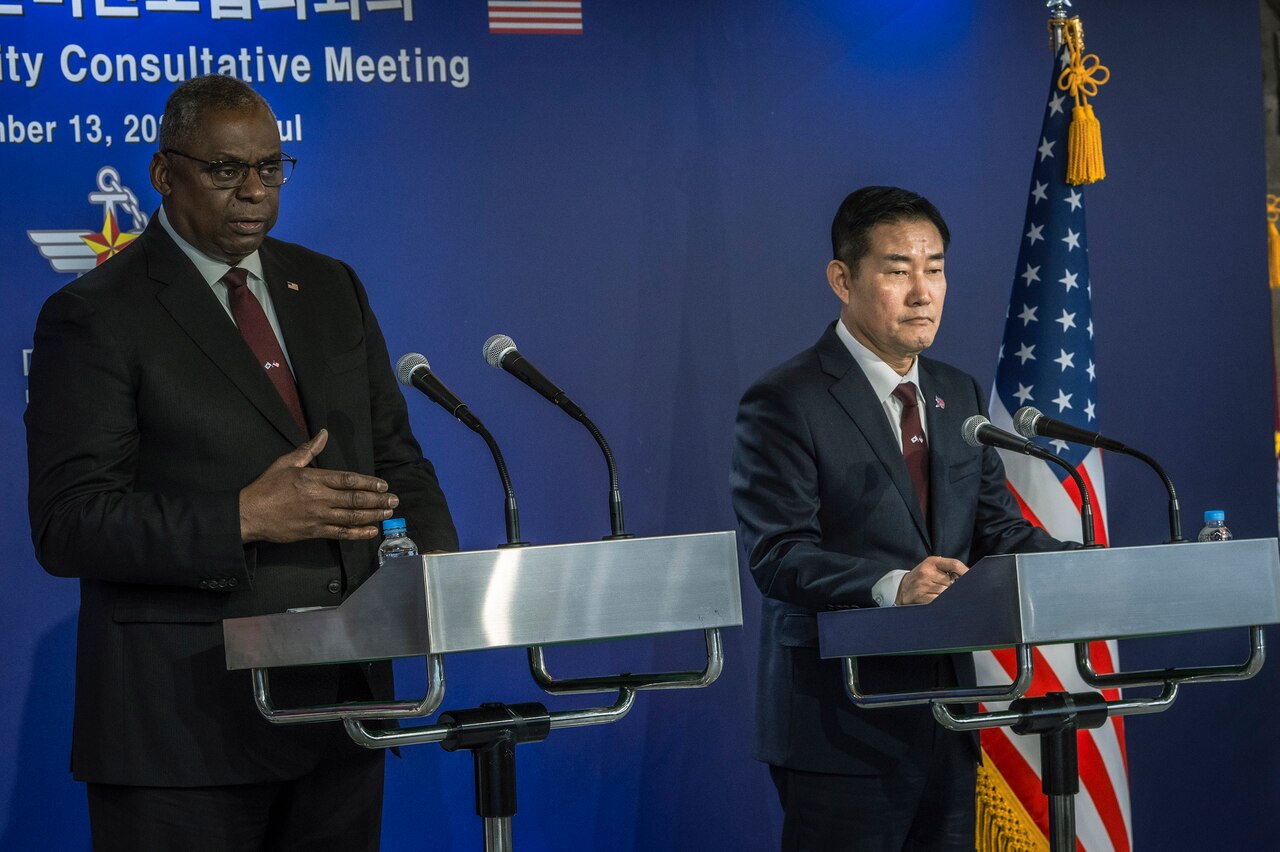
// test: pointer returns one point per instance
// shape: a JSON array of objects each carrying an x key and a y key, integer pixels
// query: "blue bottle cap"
[
  {"x": 1215, "y": 515},
  {"x": 391, "y": 525}
]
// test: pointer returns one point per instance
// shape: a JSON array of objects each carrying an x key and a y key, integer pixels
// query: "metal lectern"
[
  {"x": 528, "y": 597},
  {"x": 1076, "y": 596}
]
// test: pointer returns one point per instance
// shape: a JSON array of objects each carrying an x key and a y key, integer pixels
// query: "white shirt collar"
[
  {"x": 211, "y": 269},
  {"x": 883, "y": 378}
]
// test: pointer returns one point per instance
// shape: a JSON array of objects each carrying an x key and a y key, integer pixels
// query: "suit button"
[
  {"x": 232, "y": 582},
  {"x": 204, "y": 584},
  {"x": 335, "y": 586}
]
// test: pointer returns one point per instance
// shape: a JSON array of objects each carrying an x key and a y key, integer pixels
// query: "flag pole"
[{"x": 1057, "y": 19}]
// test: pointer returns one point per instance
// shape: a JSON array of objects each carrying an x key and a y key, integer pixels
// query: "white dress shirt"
[
  {"x": 884, "y": 381},
  {"x": 212, "y": 271}
]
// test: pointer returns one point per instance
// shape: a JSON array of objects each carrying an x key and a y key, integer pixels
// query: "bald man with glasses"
[{"x": 214, "y": 431}]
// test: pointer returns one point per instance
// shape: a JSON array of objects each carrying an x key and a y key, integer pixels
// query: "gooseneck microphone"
[
  {"x": 500, "y": 352},
  {"x": 413, "y": 370},
  {"x": 1030, "y": 422},
  {"x": 977, "y": 431}
]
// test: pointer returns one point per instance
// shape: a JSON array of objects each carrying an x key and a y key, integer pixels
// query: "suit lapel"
[
  {"x": 295, "y": 309},
  {"x": 944, "y": 444},
  {"x": 191, "y": 303},
  {"x": 854, "y": 394}
]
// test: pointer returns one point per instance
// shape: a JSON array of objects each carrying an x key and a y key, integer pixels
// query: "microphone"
[
  {"x": 501, "y": 353},
  {"x": 1030, "y": 422},
  {"x": 413, "y": 370},
  {"x": 977, "y": 431}
]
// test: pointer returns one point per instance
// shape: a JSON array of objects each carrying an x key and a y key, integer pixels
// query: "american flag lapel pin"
[
  {"x": 939, "y": 402},
  {"x": 291, "y": 285}
]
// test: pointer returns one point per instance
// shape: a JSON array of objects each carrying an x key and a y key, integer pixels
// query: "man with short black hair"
[
  {"x": 853, "y": 488},
  {"x": 214, "y": 431}
]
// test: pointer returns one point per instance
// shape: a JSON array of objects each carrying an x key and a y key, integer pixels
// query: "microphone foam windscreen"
[
  {"x": 496, "y": 347},
  {"x": 409, "y": 362}
]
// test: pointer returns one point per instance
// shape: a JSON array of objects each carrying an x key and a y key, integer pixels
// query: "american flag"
[
  {"x": 1047, "y": 361},
  {"x": 539, "y": 17}
]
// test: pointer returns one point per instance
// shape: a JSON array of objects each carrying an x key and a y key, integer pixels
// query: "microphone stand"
[
  {"x": 1086, "y": 504},
  {"x": 618, "y": 531},
  {"x": 510, "y": 512},
  {"x": 1175, "y": 513}
]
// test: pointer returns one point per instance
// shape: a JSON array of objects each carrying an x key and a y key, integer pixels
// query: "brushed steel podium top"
[
  {"x": 514, "y": 597},
  {"x": 1074, "y": 596}
]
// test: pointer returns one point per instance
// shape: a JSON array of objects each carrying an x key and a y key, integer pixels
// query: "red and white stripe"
[
  {"x": 535, "y": 17},
  {"x": 1103, "y": 820}
]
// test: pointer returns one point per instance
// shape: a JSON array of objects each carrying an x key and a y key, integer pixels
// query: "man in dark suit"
[
  {"x": 853, "y": 488},
  {"x": 186, "y": 477}
]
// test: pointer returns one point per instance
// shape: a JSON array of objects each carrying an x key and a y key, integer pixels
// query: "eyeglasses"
[{"x": 230, "y": 174}]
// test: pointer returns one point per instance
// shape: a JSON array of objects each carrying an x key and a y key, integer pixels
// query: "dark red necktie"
[
  {"x": 257, "y": 332},
  {"x": 915, "y": 450}
]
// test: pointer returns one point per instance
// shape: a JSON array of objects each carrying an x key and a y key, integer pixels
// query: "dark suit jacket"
[
  {"x": 148, "y": 413},
  {"x": 826, "y": 508}
]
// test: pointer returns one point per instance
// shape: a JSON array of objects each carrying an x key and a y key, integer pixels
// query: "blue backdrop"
[{"x": 645, "y": 207}]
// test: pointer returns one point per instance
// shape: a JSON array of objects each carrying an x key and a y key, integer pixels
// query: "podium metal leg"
[
  {"x": 497, "y": 834},
  {"x": 1060, "y": 781},
  {"x": 1062, "y": 822}
]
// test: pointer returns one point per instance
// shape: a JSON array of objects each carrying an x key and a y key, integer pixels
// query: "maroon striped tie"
[
  {"x": 915, "y": 450},
  {"x": 257, "y": 332}
]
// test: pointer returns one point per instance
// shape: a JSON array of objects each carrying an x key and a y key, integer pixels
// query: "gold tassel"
[
  {"x": 1003, "y": 824},
  {"x": 1273, "y": 240},
  {"x": 1084, "y": 147},
  {"x": 1273, "y": 264},
  {"x": 1082, "y": 77}
]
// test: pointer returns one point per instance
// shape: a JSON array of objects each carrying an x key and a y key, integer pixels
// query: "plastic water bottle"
[
  {"x": 395, "y": 541},
  {"x": 1215, "y": 527}
]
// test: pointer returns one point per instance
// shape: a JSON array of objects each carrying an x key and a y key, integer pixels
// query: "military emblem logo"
[{"x": 78, "y": 251}]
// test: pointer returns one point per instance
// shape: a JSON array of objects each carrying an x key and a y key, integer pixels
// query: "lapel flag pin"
[
  {"x": 939, "y": 402},
  {"x": 291, "y": 285}
]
